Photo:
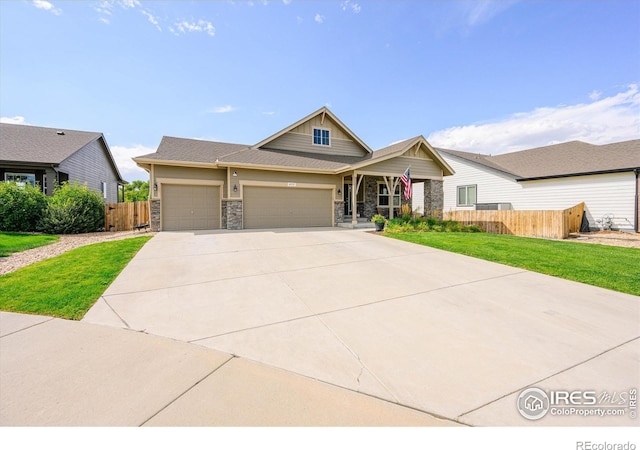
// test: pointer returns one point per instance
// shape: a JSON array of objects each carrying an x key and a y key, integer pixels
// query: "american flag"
[{"x": 406, "y": 180}]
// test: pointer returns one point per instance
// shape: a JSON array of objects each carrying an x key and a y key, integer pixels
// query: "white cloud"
[
  {"x": 126, "y": 4},
  {"x": 286, "y": 2},
  {"x": 152, "y": 19},
  {"x": 610, "y": 119},
  {"x": 15, "y": 120},
  {"x": 354, "y": 7},
  {"x": 222, "y": 109},
  {"x": 595, "y": 95},
  {"x": 318, "y": 18},
  {"x": 128, "y": 168},
  {"x": 268, "y": 113},
  {"x": 47, "y": 6},
  {"x": 482, "y": 11},
  {"x": 201, "y": 26}
]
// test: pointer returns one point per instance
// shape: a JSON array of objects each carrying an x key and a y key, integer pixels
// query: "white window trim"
[
  {"x": 104, "y": 189},
  {"x": 398, "y": 195},
  {"x": 19, "y": 174},
  {"x": 322, "y": 129},
  {"x": 466, "y": 187}
]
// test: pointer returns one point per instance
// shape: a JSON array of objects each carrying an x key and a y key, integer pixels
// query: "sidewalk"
[{"x": 55, "y": 372}]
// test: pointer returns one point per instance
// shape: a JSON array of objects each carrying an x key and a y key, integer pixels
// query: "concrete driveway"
[{"x": 453, "y": 336}]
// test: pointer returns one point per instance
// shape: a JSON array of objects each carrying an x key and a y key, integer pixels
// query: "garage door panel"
[
  {"x": 187, "y": 207},
  {"x": 270, "y": 207}
]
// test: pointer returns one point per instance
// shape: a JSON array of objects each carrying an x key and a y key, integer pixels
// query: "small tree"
[
  {"x": 21, "y": 206},
  {"x": 73, "y": 209},
  {"x": 136, "y": 191}
]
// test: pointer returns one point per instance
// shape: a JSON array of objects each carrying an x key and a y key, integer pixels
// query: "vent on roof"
[{"x": 60, "y": 133}]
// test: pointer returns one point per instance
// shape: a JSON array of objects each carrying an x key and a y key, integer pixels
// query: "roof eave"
[
  {"x": 167, "y": 162},
  {"x": 277, "y": 168},
  {"x": 578, "y": 174}
]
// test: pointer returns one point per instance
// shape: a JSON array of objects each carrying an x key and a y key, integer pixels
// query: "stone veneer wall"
[
  {"x": 433, "y": 198},
  {"x": 155, "y": 215},
  {"x": 370, "y": 196},
  {"x": 338, "y": 211},
  {"x": 232, "y": 214}
]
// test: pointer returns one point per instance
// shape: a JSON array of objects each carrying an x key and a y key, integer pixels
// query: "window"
[
  {"x": 383, "y": 196},
  {"x": 104, "y": 189},
  {"x": 20, "y": 178},
  {"x": 321, "y": 137},
  {"x": 467, "y": 195}
]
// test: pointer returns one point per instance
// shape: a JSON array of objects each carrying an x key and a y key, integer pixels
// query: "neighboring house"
[
  {"x": 604, "y": 177},
  {"x": 46, "y": 156},
  {"x": 315, "y": 172}
]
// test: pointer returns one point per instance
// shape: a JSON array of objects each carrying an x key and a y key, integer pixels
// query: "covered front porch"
[{"x": 364, "y": 195}]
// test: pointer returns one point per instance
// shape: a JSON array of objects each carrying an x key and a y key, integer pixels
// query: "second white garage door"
[
  {"x": 275, "y": 207},
  {"x": 190, "y": 207}
]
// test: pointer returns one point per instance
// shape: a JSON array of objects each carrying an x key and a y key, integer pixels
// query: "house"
[
  {"x": 315, "y": 172},
  {"x": 604, "y": 177},
  {"x": 46, "y": 156}
]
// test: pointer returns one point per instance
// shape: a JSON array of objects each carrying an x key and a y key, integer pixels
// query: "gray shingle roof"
[
  {"x": 569, "y": 158},
  {"x": 41, "y": 145},
  {"x": 284, "y": 158},
  {"x": 192, "y": 150}
]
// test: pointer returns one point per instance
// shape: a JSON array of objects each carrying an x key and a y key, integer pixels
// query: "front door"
[{"x": 348, "y": 207}]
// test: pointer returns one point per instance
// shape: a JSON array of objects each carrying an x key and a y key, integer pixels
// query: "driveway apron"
[{"x": 446, "y": 334}]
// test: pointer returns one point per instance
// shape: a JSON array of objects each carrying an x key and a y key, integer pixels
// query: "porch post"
[{"x": 354, "y": 198}]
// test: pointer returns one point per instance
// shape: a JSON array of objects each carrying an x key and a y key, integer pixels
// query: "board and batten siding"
[
  {"x": 91, "y": 164},
  {"x": 611, "y": 193}
]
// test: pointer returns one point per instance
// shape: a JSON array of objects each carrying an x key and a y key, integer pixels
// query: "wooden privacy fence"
[
  {"x": 546, "y": 224},
  {"x": 125, "y": 216}
]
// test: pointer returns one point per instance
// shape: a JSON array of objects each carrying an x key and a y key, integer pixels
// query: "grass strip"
[
  {"x": 68, "y": 285},
  {"x": 19, "y": 242},
  {"x": 606, "y": 266}
]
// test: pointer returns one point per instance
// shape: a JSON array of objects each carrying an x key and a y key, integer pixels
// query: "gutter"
[{"x": 579, "y": 174}]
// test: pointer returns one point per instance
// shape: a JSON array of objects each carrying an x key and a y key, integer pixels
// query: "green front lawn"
[
  {"x": 68, "y": 285},
  {"x": 19, "y": 242},
  {"x": 615, "y": 268}
]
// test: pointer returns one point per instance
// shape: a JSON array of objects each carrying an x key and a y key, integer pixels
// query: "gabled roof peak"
[{"x": 324, "y": 111}]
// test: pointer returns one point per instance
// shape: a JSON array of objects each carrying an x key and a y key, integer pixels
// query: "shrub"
[
  {"x": 21, "y": 207},
  {"x": 73, "y": 209}
]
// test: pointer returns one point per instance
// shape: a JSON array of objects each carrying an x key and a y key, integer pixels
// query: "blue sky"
[{"x": 486, "y": 76}]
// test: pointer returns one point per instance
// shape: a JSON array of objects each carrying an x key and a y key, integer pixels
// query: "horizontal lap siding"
[
  {"x": 420, "y": 168},
  {"x": 304, "y": 143},
  {"x": 91, "y": 164}
]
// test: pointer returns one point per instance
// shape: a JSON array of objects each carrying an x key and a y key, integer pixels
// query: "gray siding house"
[{"x": 46, "y": 156}]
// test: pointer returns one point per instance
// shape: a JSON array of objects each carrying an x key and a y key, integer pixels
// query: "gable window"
[
  {"x": 467, "y": 195},
  {"x": 383, "y": 196},
  {"x": 321, "y": 137},
  {"x": 20, "y": 178}
]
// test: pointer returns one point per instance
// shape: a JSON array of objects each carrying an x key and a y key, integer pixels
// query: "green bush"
[
  {"x": 420, "y": 224},
  {"x": 73, "y": 209},
  {"x": 21, "y": 207}
]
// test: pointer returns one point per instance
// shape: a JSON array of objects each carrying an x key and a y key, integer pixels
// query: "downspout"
[{"x": 637, "y": 225}]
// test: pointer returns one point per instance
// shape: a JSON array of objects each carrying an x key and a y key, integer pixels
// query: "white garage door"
[
  {"x": 274, "y": 207},
  {"x": 190, "y": 207}
]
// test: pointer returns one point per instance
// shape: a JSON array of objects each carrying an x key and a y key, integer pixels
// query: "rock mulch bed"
[{"x": 66, "y": 243}]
